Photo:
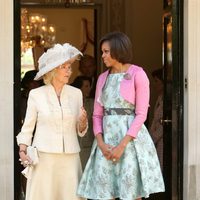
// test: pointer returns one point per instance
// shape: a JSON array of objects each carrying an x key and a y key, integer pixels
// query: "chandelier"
[{"x": 35, "y": 31}]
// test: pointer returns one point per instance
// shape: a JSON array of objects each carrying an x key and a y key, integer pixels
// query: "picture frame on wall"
[{"x": 167, "y": 3}]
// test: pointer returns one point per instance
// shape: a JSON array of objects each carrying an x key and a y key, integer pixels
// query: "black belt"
[{"x": 119, "y": 111}]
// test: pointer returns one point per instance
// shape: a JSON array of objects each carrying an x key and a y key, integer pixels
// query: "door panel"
[
  {"x": 172, "y": 101},
  {"x": 55, "y": 7},
  {"x": 167, "y": 103}
]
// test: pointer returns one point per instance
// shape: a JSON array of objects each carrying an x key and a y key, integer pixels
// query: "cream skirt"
[{"x": 55, "y": 177}]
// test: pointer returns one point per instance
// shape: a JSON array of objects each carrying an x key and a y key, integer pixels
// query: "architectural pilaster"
[{"x": 6, "y": 101}]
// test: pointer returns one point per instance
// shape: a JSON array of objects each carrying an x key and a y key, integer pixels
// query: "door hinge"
[{"x": 186, "y": 83}]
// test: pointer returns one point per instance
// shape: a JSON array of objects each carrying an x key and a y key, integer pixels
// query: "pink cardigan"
[{"x": 135, "y": 89}]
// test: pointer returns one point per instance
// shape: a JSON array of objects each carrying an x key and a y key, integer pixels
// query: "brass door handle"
[{"x": 165, "y": 121}]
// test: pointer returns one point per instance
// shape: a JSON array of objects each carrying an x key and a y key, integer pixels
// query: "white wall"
[
  {"x": 6, "y": 101},
  {"x": 192, "y": 100}
]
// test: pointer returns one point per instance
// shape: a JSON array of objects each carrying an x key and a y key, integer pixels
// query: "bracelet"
[{"x": 22, "y": 151}]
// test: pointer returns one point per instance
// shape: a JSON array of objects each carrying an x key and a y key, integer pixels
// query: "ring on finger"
[{"x": 114, "y": 159}]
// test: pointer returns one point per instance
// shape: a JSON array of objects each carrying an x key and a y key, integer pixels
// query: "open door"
[
  {"x": 172, "y": 120},
  {"x": 167, "y": 103},
  {"x": 173, "y": 99},
  {"x": 56, "y": 11}
]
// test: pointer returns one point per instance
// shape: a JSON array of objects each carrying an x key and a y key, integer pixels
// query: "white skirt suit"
[{"x": 58, "y": 172}]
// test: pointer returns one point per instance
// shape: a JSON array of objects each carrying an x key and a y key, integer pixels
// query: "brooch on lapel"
[{"x": 127, "y": 76}]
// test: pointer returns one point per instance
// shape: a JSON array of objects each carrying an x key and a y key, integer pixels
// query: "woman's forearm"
[
  {"x": 99, "y": 139},
  {"x": 125, "y": 141}
]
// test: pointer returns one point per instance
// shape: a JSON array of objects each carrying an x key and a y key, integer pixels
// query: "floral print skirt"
[{"x": 137, "y": 174}]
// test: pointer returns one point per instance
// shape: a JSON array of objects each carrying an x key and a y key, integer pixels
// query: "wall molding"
[{"x": 6, "y": 101}]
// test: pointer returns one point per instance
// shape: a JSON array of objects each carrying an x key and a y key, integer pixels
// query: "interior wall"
[
  {"x": 6, "y": 101},
  {"x": 143, "y": 24},
  {"x": 69, "y": 27}
]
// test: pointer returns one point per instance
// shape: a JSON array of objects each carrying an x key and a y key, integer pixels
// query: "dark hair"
[
  {"x": 85, "y": 60},
  {"x": 120, "y": 46},
  {"x": 28, "y": 77},
  {"x": 78, "y": 81},
  {"x": 158, "y": 73}
]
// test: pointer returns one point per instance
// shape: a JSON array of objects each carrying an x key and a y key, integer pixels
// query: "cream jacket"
[{"x": 56, "y": 124}]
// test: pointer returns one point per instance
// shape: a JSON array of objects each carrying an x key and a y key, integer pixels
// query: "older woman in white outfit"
[{"x": 55, "y": 112}]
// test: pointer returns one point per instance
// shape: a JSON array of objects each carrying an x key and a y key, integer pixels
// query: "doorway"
[
  {"x": 173, "y": 98},
  {"x": 173, "y": 107},
  {"x": 172, "y": 120},
  {"x": 72, "y": 20}
]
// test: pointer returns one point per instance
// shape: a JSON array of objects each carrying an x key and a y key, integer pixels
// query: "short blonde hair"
[{"x": 48, "y": 77}]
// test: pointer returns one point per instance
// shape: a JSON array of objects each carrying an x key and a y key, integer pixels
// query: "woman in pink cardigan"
[{"x": 123, "y": 162}]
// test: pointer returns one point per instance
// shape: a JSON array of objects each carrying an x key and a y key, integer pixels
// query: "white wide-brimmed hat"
[{"x": 54, "y": 57}]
